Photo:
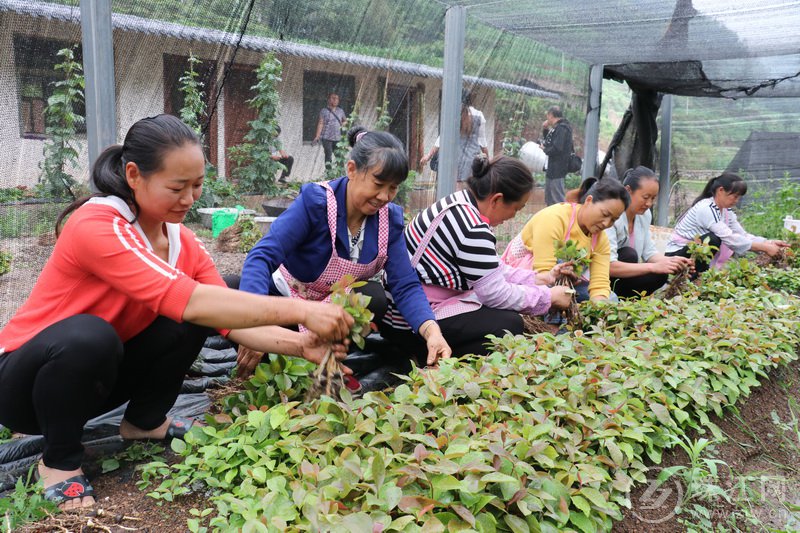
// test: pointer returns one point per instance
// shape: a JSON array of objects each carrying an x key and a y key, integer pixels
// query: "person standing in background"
[
  {"x": 471, "y": 141},
  {"x": 557, "y": 144},
  {"x": 329, "y": 126}
]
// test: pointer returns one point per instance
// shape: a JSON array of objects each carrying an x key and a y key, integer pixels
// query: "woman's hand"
[
  {"x": 561, "y": 297},
  {"x": 314, "y": 350},
  {"x": 246, "y": 361},
  {"x": 329, "y": 321},
  {"x": 771, "y": 248},
  {"x": 437, "y": 346},
  {"x": 670, "y": 265},
  {"x": 565, "y": 269}
]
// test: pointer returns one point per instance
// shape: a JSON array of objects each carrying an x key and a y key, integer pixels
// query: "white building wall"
[
  {"x": 139, "y": 76},
  {"x": 20, "y": 157}
]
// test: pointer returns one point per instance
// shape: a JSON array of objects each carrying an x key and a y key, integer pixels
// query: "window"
[
  {"x": 35, "y": 60},
  {"x": 316, "y": 87}
]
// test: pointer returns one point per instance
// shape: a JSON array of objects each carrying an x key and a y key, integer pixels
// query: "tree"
[
  {"x": 61, "y": 121},
  {"x": 255, "y": 170}
]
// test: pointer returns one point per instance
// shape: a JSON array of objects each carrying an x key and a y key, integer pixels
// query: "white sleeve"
[
  {"x": 738, "y": 242},
  {"x": 613, "y": 242},
  {"x": 733, "y": 222},
  {"x": 481, "y": 127},
  {"x": 649, "y": 246},
  {"x": 436, "y": 144}
]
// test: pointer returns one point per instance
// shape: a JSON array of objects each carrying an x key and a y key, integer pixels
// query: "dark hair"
[
  {"x": 731, "y": 183},
  {"x": 378, "y": 148},
  {"x": 505, "y": 175},
  {"x": 147, "y": 143},
  {"x": 634, "y": 176},
  {"x": 555, "y": 111},
  {"x": 602, "y": 190}
]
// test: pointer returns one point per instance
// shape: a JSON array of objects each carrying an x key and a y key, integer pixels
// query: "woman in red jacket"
[{"x": 124, "y": 304}]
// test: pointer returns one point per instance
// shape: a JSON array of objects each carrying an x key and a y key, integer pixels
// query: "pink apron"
[
  {"x": 519, "y": 256},
  {"x": 320, "y": 290},
  {"x": 723, "y": 254},
  {"x": 445, "y": 302}
]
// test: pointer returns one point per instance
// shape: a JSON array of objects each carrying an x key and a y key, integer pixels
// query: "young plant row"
[{"x": 545, "y": 434}]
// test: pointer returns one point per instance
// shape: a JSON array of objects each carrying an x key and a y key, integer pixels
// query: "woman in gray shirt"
[{"x": 636, "y": 266}]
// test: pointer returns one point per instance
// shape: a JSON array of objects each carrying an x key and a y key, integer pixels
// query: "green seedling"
[
  {"x": 699, "y": 252},
  {"x": 328, "y": 378}
]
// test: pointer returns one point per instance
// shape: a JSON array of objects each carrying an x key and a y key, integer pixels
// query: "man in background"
[{"x": 557, "y": 144}]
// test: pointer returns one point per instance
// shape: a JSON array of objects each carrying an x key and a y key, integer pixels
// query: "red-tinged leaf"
[
  {"x": 251, "y": 407},
  {"x": 563, "y": 505},
  {"x": 264, "y": 408},
  {"x": 222, "y": 418},
  {"x": 425, "y": 510},
  {"x": 341, "y": 506},
  {"x": 497, "y": 462},
  {"x": 517, "y": 497},
  {"x": 606, "y": 460},
  {"x": 464, "y": 513},
  {"x": 441, "y": 441},
  {"x": 420, "y": 453},
  {"x": 403, "y": 481},
  {"x": 408, "y": 503},
  {"x": 377, "y": 527},
  {"x": 472, "y": 428}
]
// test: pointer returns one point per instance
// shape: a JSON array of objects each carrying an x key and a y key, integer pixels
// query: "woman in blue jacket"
[{"x": 346, "y": 226}]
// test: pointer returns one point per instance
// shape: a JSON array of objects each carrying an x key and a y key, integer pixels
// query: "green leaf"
[
  {"x": 583, "y": 522},
  {"x": 581, "y": 503},
  {"x": 517, "y": 524},
  {"x": 109, "y": 465},
  {"x": 178, "y": 446},
  {"x": 378, "y": 470}
]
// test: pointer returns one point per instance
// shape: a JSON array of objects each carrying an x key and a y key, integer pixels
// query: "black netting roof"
[{"x": 728, "y": 48}]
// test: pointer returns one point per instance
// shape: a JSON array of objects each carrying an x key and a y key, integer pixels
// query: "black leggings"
[
  {"x": 629, "y": 287},
  {"x": 699, "y": 267},
  {"x": 465, "y": 333},
  {"x": 79, "y": 368}
]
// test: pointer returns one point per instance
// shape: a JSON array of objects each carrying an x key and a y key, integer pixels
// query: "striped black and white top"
[
  {"x": 704, "y": 217},
  {"x": 461, "y": 251}
]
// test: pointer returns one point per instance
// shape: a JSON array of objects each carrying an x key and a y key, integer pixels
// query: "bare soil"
[{"x": 755, "y": 448}]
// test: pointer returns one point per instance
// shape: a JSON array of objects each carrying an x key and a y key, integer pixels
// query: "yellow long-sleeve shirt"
[{"x": 551, "y": 224}]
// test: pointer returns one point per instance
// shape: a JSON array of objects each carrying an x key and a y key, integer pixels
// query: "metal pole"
[
  {"x": 455, "y": 24},
  {"x": 662, "y": 213},
  {"x": 98, "y": 68},
  {"x": 592, "y": 130}
]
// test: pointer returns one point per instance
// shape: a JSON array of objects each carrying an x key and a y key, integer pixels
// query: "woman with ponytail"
[
  {"x": 124, "y": 304},
  {"x": 595, "y": 207},
  {"x": 711, "y": 217},
  {"x": 454, "y": 251},
  {"x": 347, "y": 226},
  {"x": 636, "y": 265}
]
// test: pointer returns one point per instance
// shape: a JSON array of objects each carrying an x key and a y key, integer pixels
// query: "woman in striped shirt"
[
  {"x": 454, "y": 252},
  {"x": 711, "y": 217}
]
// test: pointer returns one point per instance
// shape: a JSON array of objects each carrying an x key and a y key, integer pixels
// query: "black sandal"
[
  {"x": 70, "y": 489},
  {"x": 178, "y": 427}
]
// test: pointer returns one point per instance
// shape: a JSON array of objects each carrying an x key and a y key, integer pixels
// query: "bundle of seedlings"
[
  {"x": 328, "y": 378},
  {"x": 700, "y": 252},
  {"x": 569, "y": 252},
  {"x": 240, "y": 237},
  {"x": 786, "y": 258},
  {"x": 534, "y": 324}
]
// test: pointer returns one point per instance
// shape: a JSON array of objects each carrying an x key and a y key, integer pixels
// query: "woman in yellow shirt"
[{"x": 600, "y": 204}]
